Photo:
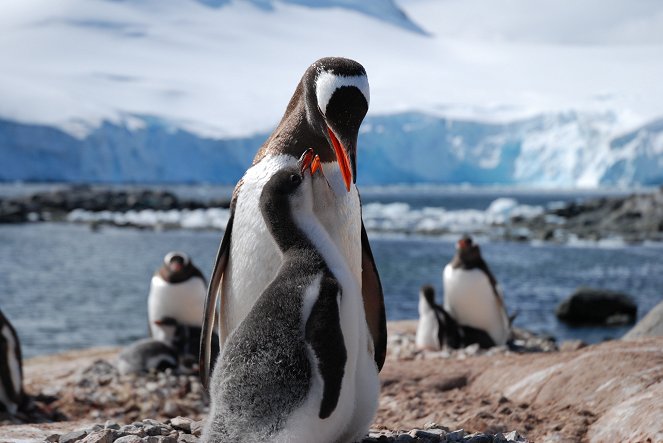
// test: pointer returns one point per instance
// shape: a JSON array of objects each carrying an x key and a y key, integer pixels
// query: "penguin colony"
[
  {"x": 12, "y": 396},
  {"x": 334, "y": 395}
]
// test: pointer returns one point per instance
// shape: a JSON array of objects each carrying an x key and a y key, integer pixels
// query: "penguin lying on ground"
[
  {"x": 147, "y": 355},
  {"x": 12, "y": 396},
  {"x": 437, "y": 329},
  {"x": 175, "y": 305},
  {"x": 471, "y": 293},
  {"x": 324, "y": 113},
  {"x": 299, "y": 368}
]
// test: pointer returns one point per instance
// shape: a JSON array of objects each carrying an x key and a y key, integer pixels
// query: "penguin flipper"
[
  {"x": 211, "y": 301},
  {"x": 8, "y": 373},
  {"x": 323, "y": 332},
  {"x": 371, "y": 290}
]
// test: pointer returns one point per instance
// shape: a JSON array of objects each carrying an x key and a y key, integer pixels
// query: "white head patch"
[{"x": 327, "y": 83}]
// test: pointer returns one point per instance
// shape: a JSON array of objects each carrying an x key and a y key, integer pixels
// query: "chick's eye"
[{"x": 295, "y": 179}]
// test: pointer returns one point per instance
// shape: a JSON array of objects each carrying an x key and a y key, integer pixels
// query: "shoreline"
[{"x": 574, "y": 394}]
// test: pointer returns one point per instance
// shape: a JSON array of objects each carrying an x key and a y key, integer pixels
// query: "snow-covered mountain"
[{"x": 506, "y": 91}]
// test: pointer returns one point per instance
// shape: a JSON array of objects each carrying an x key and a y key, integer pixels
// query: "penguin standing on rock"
[
  {"x": 300, "y": 367},
  {"x": 472, "y": 296},
  {"x": 12, "y": 396},
  {"x": 324, "y": 113}
]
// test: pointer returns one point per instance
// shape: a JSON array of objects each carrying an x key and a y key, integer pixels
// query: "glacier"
[
  {"x": 185, "y": 91},
  {"x": 562, "y": 150}
]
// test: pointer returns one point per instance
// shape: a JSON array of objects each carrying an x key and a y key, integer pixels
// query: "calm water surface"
[{"x": 65, "y": 286}]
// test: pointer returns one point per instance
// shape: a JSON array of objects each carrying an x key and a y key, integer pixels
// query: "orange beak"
[
  {"x": 343, "y": 160},
  {"x": 315, "y": 164},
  {"x": 306, "y": 160}
]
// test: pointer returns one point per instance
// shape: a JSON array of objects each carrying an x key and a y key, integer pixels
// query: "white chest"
[
  {"x": 182, "y": 301},
  {"x": 254, "y": 256},
  {"x": 427, "y": 327},
  {"x": 470, "y": 299}
]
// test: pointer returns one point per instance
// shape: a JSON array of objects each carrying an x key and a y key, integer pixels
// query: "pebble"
[
  {"x": 175, "y": 431},
  {"x": 71, "y": 437}
]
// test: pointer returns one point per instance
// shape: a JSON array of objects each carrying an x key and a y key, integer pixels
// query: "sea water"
[{"x": 66, "y": 286}]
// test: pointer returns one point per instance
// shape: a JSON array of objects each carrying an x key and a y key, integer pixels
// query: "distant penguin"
[
  {"x": 472, "y": 296},
  {"x": 146, "y": 355},
  {"x": 12, "y": 395},
  {"x": 300, "y": 367},
  {"x": 430, "y": 328},
  {"x": 177, "y": 293}
]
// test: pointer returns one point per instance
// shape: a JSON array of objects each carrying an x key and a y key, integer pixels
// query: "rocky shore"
[
  {"x": 539, "y": 392},
  {"x": 632, "y": 219},
  {"x": 55, "y": 205}
]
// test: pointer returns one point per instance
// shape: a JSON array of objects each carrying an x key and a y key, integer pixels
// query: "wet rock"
[
  {"x": 597, "y": 306},
  {"x": 650, "y": 326}
]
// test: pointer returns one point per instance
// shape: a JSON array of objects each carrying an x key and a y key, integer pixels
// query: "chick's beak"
[{"x": 345, "y": 163}]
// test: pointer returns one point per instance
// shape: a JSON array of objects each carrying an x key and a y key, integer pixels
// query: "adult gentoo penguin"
[
  {"x": 176, "y": 302},
  {"x": 324, "y": 113},
  {"x": 299, "y": 368},
  {"x": 471, "y": 293},
  {"x": 12, "y": 395}
]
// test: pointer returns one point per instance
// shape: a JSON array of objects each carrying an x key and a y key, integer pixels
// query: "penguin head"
[
  {"x": 177, "y": 267},
  {"x": 428, "y": 293},
  {"x": 289, "y": 188},
  {"x": 468, "y": 252},
  {"x": 337, "y": 97}
]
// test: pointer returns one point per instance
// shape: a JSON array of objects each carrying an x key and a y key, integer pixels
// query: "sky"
[{"x": 229, "y": 71}]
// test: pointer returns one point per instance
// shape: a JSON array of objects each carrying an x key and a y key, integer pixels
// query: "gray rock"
[
  {"x": 151, "y": 430},
  {"x": 181, "y": 423},
  {"x": 187, "y": 438},
  {"x": 129, "y": 439},
  {"x": 597, "y": 306},
  {"x": 111, "y": 425},
  {"x": 404, "y": 438},
  {"x": 160, "y": 439},
  {"x": 428, "y": 436},
  {"x": 53, "y": 438},
  {"x": 104, "y": 436},
  {"x": 132, "y": 429},
  {"x": 72, "y": 437},
  {"x": 650, "y": 326},
  {"x": 478, "y": 438},
  {"x": 515, "y": 437},
  {"x": 456, "y": 436}
]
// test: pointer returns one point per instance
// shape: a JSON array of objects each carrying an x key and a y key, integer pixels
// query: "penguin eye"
[{"x": 295, "y": 179}]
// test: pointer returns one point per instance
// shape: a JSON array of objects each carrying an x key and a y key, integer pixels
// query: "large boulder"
[
  {"x": 650, "y": 326},
  {"x": 597, "y": 307}
]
